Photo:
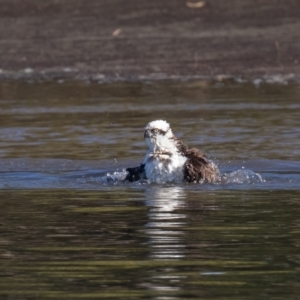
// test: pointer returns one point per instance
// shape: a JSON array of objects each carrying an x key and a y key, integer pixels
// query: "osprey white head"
[{"x": 158, "y": 136}]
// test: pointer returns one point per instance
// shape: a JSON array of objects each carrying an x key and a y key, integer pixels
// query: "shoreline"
[{"x": 70, "y": 76}]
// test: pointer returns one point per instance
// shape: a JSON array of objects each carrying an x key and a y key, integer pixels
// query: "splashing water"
[
  {"x": 41, "y": 173},
  {"x": 242, "y": 176},
  {"x": 115, "y": 177}
]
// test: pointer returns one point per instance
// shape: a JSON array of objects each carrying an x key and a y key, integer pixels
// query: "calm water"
[{"x": 70, "y": 229}]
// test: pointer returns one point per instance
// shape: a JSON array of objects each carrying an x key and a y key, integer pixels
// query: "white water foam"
[{"x": 242, "y": 176}]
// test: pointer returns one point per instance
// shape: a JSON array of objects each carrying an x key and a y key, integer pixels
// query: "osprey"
[{"x": 169, "y": 160}]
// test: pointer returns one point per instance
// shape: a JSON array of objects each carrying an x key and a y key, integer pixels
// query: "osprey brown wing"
[
  {"x": 198, "y": 168},
  {"x": 135, "y": 174}
]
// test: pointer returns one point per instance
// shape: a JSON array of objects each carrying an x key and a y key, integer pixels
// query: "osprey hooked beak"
[{"x": 146, "y": 134}]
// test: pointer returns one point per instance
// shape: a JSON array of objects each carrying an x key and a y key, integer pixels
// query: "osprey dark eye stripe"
[{"x": 154, "y": 130}]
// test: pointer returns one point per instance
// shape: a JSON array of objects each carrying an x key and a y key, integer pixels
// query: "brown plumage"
[
  {"x": 182, "y": 148},
  {"x": 198, "y": 168}
]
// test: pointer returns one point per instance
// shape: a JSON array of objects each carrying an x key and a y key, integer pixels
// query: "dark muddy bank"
[{"x": 152, "y": 39}]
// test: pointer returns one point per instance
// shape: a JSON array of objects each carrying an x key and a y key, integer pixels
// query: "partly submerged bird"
[{"x": 169, "y": 160}]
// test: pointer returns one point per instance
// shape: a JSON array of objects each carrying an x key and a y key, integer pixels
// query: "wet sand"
[{"x": 149, "y": 39}]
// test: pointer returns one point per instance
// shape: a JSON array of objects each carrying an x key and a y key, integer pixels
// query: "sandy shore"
[{"x": 149, "y": 39}]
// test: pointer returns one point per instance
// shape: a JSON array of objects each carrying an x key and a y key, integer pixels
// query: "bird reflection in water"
[{"x": 165, "y": 222}]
